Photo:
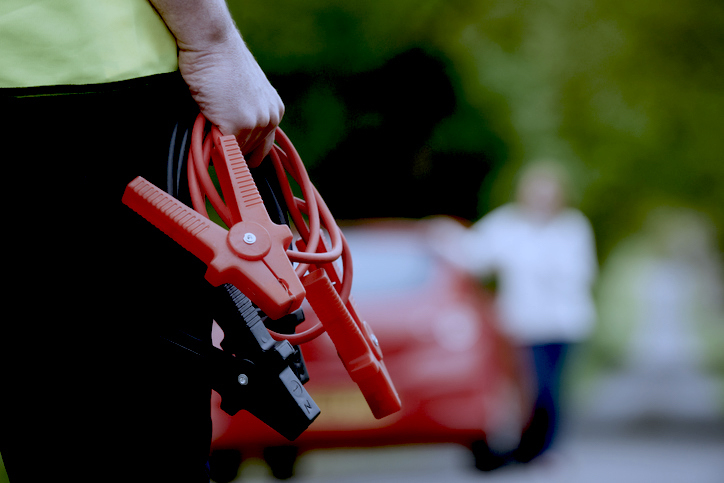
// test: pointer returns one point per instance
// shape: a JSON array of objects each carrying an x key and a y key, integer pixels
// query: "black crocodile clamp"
[{"x": 254, "y": 372}]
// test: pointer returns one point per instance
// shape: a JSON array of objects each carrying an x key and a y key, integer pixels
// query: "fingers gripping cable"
[{"x": 258, "y": 257}]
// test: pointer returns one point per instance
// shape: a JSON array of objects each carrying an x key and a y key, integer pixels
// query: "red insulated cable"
[{"x": 200, "y": 183}]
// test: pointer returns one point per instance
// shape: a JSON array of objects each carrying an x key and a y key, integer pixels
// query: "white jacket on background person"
[{"x": 545, "y": 269}]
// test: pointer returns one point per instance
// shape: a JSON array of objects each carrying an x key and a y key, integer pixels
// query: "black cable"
[
  {"x": 178, "y": 151},
  {"x": 170, "y": 185}
]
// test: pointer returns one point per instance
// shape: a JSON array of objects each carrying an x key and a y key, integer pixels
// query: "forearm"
[{"x": 196, "y": 24}]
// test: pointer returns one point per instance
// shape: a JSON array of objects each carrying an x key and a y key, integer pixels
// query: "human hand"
[{"x": 233, "y": 93}]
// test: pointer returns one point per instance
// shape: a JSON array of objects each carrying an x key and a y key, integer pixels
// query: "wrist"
[
  {"x": 198, "y": 25},
  {"x": 213, "y": 36}
]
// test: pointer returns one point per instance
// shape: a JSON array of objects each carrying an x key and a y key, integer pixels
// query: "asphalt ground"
[
  {"x": 683, "y": 452},
  {"x": 629, "y": 428}
]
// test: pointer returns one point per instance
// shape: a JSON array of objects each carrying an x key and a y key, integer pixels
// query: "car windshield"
[{"x": 387, "y": 263}]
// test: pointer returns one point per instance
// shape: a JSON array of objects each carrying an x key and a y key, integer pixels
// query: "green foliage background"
[{"x": 414, "y": 108}]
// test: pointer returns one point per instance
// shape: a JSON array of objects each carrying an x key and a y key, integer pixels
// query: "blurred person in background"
[
  {"x": 92, "y": 94},
  {"x": 542, "y": 255}
]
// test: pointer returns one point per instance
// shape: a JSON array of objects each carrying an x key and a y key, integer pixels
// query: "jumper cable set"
[{"x": 263, "y": 275}]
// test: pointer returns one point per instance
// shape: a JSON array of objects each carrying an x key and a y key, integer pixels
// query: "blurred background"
[
  {"x": 436, "y": 104},
  {"x": 414, "y": 108},
  {"x": 408, "y": 109}
]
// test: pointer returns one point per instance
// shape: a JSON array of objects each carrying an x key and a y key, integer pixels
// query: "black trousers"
[{"x": 90, "y": 391}]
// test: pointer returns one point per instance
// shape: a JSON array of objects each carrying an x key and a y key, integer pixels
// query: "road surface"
[{"x": 593, "y": 455}]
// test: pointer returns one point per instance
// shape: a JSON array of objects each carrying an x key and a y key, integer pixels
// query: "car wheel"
[
  {"x": 224, "y": 465},
  {"x": 281, "y": 460},
  {"x": 485, "y": 458}
]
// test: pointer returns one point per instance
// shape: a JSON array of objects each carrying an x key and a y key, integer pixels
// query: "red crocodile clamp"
[
  {"x": 356, "y": 344},
  {"x": 251, "y": 255}
]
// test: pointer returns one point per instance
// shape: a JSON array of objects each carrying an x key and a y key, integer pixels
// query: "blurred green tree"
[{"x": 434, "y": 105}]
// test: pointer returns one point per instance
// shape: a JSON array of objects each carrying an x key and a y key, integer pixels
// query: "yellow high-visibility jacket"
[{"x": 76, "y": 42}]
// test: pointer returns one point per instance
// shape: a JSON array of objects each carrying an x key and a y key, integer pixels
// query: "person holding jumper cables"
[{"x": 92, "y": 94}]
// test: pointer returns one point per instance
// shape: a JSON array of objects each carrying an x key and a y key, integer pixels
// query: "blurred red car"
[{"x": 436, "y": 326}]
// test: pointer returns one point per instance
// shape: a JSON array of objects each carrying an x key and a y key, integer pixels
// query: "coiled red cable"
[{"x": 311, "y": 246}]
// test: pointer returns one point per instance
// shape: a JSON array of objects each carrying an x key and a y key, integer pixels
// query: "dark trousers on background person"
[
  {"x": 540, "y": 433},
  {"x": 90, "y": 391},
  {"x": 542, "y": 365}
]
